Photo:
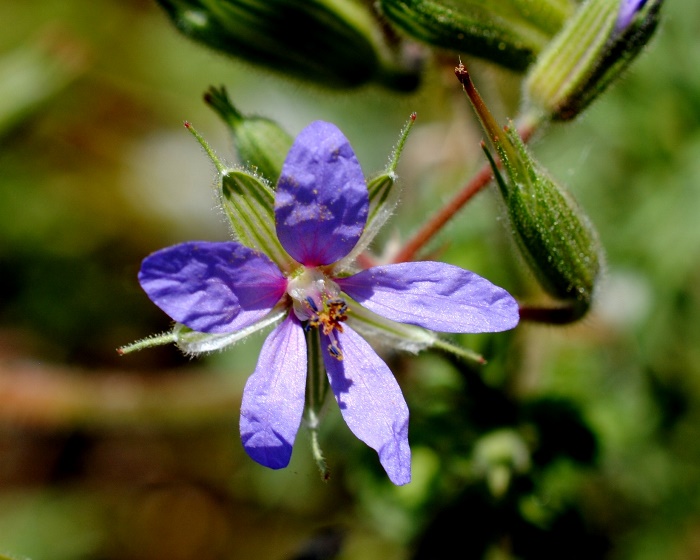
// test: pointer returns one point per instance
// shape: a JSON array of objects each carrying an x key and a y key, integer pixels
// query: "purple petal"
[
  {"x": 321, "y": 202},
  {"x": 628, "y": 9},
  {"x": 212, "y": 287},
  {"x": 273, "y": 398},
  {"x": 371, "y": 402},
  {"x": 434, "y": 295}
]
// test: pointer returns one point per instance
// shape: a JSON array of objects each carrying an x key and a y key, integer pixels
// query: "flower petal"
[
  {"x": 212, "y": 287},
  {"x": 371, "y": 402},
  {"x": 433, "y": 295},
  {"x": 321, "y": 203},
  {"x": 273, "y": 398}
]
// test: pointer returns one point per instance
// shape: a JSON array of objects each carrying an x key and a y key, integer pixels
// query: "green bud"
[
  {"x": 509, "y": 32},
  {"x": 333, "y": 43},
  {"x": 261, "y": 143},
  {"x": 554, "y": 235},
  {"x": 593, "y": 49}
]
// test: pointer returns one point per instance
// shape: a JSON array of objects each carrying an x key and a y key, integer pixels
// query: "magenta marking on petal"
[
  {"x": 273, "y": 398},
  {"x": 321, "y": 203},
  {"x": 370, "y": 401},
  {"x": 433, "y": 295},
  {"x": 212, "y": 287}
]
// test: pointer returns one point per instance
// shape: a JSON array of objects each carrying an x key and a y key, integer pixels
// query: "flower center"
[{"x": 317, "y": 304}]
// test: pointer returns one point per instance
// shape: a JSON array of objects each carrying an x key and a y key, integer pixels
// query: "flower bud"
[
  {"x": 554, "y": 235},
  {"x": 509, "y": 32},
  {"x": 593, "y": 49},
  {"x": 260, "y": 142},
  {"x": 334, "y": 43}
]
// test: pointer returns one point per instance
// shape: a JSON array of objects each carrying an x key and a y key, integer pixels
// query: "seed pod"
[{"x": 553, "y": 233}]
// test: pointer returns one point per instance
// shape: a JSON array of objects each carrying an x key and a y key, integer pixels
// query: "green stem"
[{"x": 316, "y": 392}]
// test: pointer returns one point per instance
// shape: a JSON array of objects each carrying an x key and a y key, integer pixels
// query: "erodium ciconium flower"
[{"x": 321, "y": 208}]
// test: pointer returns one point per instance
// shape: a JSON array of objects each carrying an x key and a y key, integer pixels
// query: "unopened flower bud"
[
  {"x": 333, "y": 43},
  {"x": 593, "y": 49},
  {"x": 260, "y": 142},
  {"x": 509, "y": 32},
  {"x": 554, "y": 235}
]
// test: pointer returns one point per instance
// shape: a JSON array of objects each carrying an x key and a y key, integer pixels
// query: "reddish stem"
[{"x": 438, "y": 221}]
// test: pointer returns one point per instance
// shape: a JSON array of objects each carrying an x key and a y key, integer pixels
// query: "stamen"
[
  {"x": 335, "y": 352},
  {"x": 312, "y": 303},
  {"x": 329, "y": 319},
  {"x": 317, "y": 305},
  {"x": 333, "y": 347}
]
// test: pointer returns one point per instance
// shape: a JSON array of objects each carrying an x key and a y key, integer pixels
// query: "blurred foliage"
[{"x": 579, "y": 442}]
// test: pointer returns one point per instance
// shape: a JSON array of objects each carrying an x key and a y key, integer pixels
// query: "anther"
[
  {"x": 312, "y": 303},
  {"x": 335, "y": 352}
]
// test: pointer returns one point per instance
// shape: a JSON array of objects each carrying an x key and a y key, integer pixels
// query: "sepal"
[
  {"x": 385, "y": 333},
  {"x": 383, "y": 198},
  {"x": 249, "y": 203},
  {"x": 390, "y": 334},
  {"x": 316, "y": 393},
  {"x": 193, "y": 342}
]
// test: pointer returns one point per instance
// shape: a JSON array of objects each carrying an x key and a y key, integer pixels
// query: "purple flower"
[{"x": 321, "y": 206}]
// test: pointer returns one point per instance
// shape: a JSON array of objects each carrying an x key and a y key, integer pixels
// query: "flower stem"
[{"x": 316, "y": 391}]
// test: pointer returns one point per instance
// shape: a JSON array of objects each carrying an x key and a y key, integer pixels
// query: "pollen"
[{"x": 329, "y": 320}]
